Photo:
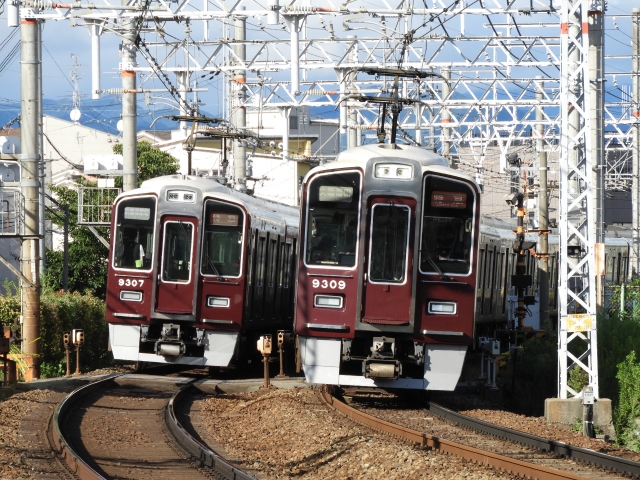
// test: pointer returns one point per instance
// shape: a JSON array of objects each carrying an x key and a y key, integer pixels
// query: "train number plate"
[
  {"x": 130, "y": 283},
  {"x": 332, "y": 284}
]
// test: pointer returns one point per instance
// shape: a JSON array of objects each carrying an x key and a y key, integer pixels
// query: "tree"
[
  {"x": 152, "y": 162},
  {"x": 88, "y": 257}
]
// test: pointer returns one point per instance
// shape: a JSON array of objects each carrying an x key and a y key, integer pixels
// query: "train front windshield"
[
  {"x": 222, "y": 250},
  {"x": 135, "y": 220},
  {"x": 447, "y": 226},
  {"x": 332, "y": 220}
]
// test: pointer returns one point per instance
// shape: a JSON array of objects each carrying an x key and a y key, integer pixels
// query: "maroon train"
[
  {"x": 198, "y": 272},
  {"x": 386, "y": 289}
]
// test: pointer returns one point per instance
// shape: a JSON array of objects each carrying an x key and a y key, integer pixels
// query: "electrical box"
[
  {"x": 4, "y": 345},
  {"x": 78, "y": 336},
  {"x": 265, "y": 345}
]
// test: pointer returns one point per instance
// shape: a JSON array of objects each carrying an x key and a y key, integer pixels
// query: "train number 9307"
[
  {"x": 333, "y": 284},
  {"x": 130, "y": 283}
]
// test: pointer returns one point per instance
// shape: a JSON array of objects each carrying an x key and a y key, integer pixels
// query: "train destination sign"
[
  {"x": 330, "y": 193},
  {"x": 137, "y": 213},
  {"x": 225, "y": 219},
  {"x": 449, "y": 199}
]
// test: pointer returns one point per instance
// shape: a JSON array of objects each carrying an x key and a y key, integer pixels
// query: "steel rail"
[
  {"x": 206, "y": 456},
  {"x": 73, "y": 460},
  {"x": 610, "y": 462},
  {"x": 501, "y": 462}
]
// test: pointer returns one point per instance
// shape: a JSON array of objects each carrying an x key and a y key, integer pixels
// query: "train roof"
[
  {"x": 211, "y": 187},
  {"x": 359, "y": 157}
]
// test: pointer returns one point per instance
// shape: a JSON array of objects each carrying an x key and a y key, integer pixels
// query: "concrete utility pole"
[
  {"x": 543, "y": 214},
  {"x": 634, "y": 268},
  {"x": 446, "y": 116},
  {"x": 30, "y": 185},
  {"x": 352, "y": 113},
  {"x": 596, "y": 111},
  {"x": 129, "y": 105},
  {"x": 239, "y": 111}
]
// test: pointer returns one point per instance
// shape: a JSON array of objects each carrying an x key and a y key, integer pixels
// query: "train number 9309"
[
  {"x": 130, "y": 283},
  {"x": 329, "y": 284}
]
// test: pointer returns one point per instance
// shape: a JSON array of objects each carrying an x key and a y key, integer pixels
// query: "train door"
[
  {"x": 175, "y": 291},
  {"x": 388, "y": 261}
]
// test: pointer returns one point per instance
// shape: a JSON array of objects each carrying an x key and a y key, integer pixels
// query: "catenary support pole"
[
  {"x": 30, "y": 189},
  {"x": 543, "y": 213},
  {"x": 634, "y": 267}
]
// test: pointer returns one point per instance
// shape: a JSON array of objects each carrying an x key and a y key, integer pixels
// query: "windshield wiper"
[
  {"x": 433, "y": 263},
  {"x": 213, "y": 267}
]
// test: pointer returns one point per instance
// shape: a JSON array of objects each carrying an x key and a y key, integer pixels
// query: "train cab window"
[
  {"x": 135, "y": 221},
  {"x": 332, "y": 219},
  {"x": 222, "y": 245},
  {"x": 389, "y": 243},
  {"x": 176, "y": 258},
  {"x": 447, "y": 226}
]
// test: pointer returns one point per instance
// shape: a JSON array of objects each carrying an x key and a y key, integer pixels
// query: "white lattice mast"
[{"x": 577, "y": 285}]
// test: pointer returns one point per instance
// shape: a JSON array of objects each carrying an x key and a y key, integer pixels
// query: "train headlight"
[
  {"x": 219, "y": 302},
  {"x": 130, "y": 296},
  {"x": 443, "y": 308},
  {"x": 393, "y": 170},
  {"x": 327, "y": 301}
]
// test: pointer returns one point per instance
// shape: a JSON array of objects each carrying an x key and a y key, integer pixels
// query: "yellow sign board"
[{"x": 579, "y": 322}]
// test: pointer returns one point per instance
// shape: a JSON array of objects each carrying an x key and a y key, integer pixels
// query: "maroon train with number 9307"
[
  {"x": 386, "y": 289},
  {"x": 198, "y": 272}
]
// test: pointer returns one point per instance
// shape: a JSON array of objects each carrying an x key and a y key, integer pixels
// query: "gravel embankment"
[{"x": 291, "y": 434}]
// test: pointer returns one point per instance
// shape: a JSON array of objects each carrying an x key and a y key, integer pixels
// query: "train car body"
[
  {"x": 387, "y": 269},
  {"x": 195, "y": 269}
]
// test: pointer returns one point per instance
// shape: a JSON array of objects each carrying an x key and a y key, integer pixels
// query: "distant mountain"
[{"x": 102, "y": 114}]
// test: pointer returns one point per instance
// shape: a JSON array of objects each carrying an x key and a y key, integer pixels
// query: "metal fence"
[
  {"x": 622, "y": 300},
  {"x": 11, "y": 212},
  {"x": 95, "y": 204}
]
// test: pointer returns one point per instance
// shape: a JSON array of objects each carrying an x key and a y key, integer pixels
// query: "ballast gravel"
[
  {"x": 283, "y": 434},
  {"x": 17, "y": 448}
]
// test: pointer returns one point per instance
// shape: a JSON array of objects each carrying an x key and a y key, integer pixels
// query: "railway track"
[
  {"x": 533, "y": 467},
  {"x": 127, "y": 426}
]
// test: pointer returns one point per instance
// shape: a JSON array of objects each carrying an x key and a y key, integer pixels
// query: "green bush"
[
  {"x": 618, "y": 336},
  {"x": 627, "y": 412},
  {"x": 62, "y": 312}
]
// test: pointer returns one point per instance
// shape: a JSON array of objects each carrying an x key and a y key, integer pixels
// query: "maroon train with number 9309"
[{"x": 386, "y": 289}]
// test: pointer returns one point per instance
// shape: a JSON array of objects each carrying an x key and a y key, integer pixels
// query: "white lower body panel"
[
  {"x": 218, "y": 349},
  {"x": 321, "y": 364}
]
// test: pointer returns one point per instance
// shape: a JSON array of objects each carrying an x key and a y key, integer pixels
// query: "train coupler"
[
  {"x": 373, "y": 368},
  {"x": 170, "y": 343}
]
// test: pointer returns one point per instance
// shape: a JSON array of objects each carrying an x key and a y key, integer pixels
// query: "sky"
[{"x": 61, "y": 41}]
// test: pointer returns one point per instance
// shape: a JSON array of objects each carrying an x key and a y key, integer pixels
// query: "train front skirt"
[
  {"x": 321, "y": 364},
  {"x": 219, "y": 348}
]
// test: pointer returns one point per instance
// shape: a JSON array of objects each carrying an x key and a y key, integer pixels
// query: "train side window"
[
  {"x": 135, "y": 222},
  {"x": 260, "y": 260},
  {"x": 448, "y": 226},
  {"x": 223, "y": 240},
  {"x": 176, "y": 258},
  {"x": 272, "y": 258},
  {"x": 333, "y": 209}
]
